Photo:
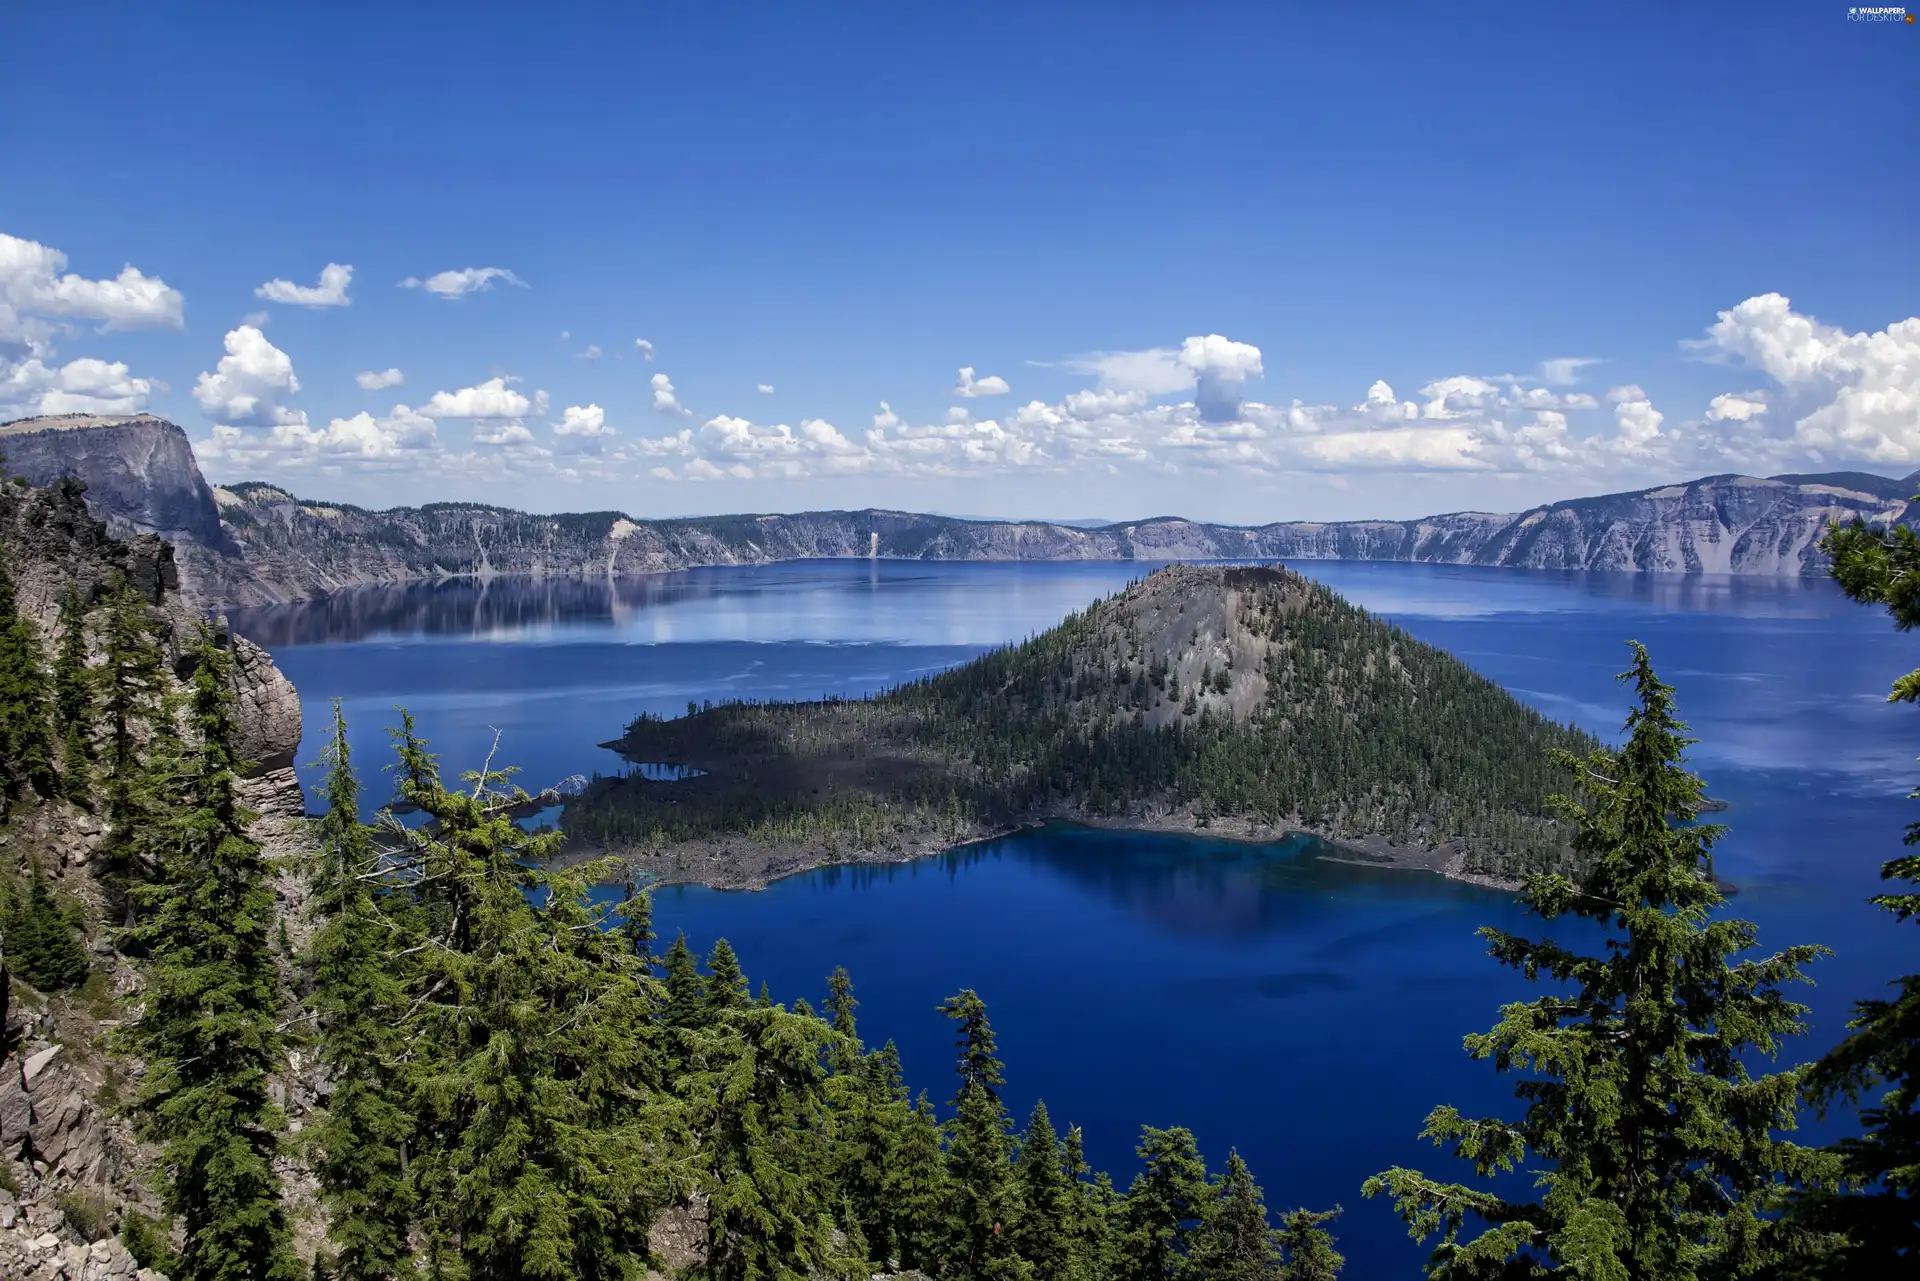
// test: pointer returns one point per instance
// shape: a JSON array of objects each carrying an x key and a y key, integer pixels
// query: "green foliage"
[
  {"x": 207, "y": 1031},
  {"x": 1166, "y": 1207},
  {"x": 87, "y": 1213},
  {"x": 358, "y": 1000},
  {"x": 1363, "y": 730},
  {"x": 1234, "y": 1242},
  {"x": 43, "y": 938},
  {"x": 149, "y": 1241},
  {"x": 1656, "y": 1151},
  {"x": 1307, "y": 1248},
  {"x": 979, "y": 1145},
  {"x": 73, "y": 691},
  {"x": 27, "y": 748},
  {"x": 1877, "y": 1066},
  {"x": 132, "y": 682}
]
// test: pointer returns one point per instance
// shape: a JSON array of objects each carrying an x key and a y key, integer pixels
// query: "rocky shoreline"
[{"x": 734, "y": 863}]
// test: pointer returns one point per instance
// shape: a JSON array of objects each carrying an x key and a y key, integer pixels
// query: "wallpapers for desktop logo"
[{"x": 1880, "y": 14}]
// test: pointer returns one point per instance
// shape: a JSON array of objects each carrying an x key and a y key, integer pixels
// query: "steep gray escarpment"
[
  {"x": 141, "y": 478},
  {"x": 254, "y": 543}
]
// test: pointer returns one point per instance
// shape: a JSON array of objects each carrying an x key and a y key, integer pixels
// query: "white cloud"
[
  {"x": 1639, "y": 422},
  {"x": 583, "y": 421},
  {"x": 1564, "y": 371},
  {"x": 457, "y": 284},
  {"x": 886, "y": 417},
  {"x": 1736, "y": 407},
  {"x": 364, "y": 438},
  {"x": 248, "y": 385},
  {"x": 765, "y": 389},
  {"x": 34, "y": 283},
  {"x": 371, "y": 380},
  {"x": 492, "y": 399},
  {"x": 330, "y": 292},
  {"x": 1625, "y": 394},
  {"x": 645, "y": 349},
  {"x": 1845, "y": 397},
  {"x": 498, "y": 431},
  {"x": 1154, "y": 372},
  {"x": 665, "y": 400},
  {"x": 969, "y": 386},
  {"x": 592, "y": 352},
  {"x": 84, "y": 386},
  {"x": 1214, "y": 367}
]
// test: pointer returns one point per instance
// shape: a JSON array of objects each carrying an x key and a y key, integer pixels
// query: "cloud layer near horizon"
[{"x": 1799, "y": 394}]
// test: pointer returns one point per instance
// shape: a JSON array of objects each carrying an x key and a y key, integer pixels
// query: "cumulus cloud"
[
  {"x": 584, "y": 421},
  {"x": 592, "y": 352},
  {"x": 248, "y": 385},
  {"x": 886, "y": 417},
  {"x": 84, "y": 386},
  {"x": 1215, "y": 368},
  {"x": 372, "y": 380},
  {"x": 389, "y": 439},
  {"x": 330, "y": 292},
  {"x": 1844, "y": 396},
  {"x": 35, "y": 286},
  {"x": 466, "y": 280},
  {"x": 1736, "y": 407},
  {"x": 489, "y": 400},
  {"x": 498, "y": 431},
  {"x": 665, "y": 399},
  {"x": 765, "y": 389},
  {"x": 969, "y": 386},
  {"x": 645, "y": 349}
]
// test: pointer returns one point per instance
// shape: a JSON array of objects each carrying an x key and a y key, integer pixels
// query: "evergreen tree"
[
  {"x": 529, "y": 1076},
  {"x": 984, "y": 1203},
  {"x": 73, "y": 701},
  {"x": 357, "y": 1000},
  {"x": 840, "y": 1007},
  {"x": 1307, "y": 1247},
  {"x": 1657, "y": 1151},
  {"x": 1095, "y": 1209},
  {"x": 132, "y": 681},
  {"x": 1048, "y": 1199},
  {"x": 636, "y": 923},
  {"x": 43, "y": 943},
  {"x": 26, "y": 734},
  {"x": 207, "y": 1027},
  {"x": 686, "y": 990},
  {"x": 918, "y": 1189},
  {"x": 1234, "y": 1242},
  {"x": 1165, "y": 1207},
  {"x": 1877, "y": 1067},
  {"x": 759, "y": 1113},
  {"x": 726, "y": 984}
]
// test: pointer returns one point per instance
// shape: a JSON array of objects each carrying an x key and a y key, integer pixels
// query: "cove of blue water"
[{"x": 1308, "y": 1013}]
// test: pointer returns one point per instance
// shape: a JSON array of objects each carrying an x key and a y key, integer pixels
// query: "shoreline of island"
[{"x": 735, "y": 863}]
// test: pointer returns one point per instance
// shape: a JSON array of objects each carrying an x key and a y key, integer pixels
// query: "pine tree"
[
  {"x": 1877, "y": 1067},
  {"x": 357, "y": 1000},
  {"x": 686, "y": 990},
  {"x": 207, "y": 1028},
  {"x": 26, "y": 734},
  {"x": 759, "y": 1113},
  {"x": 1234, "y": 1242},
  {"x": 840, "y": 1007},
  {"x": 726, "y": 984},
  {"x": 984, "y": 1203},
  {"x": 1307, "y": 1247},
  {"x": 1657, "y": 1151},
  {"x": 1165, "y": 1207},
  {"x": 918, "y": 1188},
  {"x": 43, "y": 940},
  {"x": 1043, "y": 1234},
  {"x": 1095, "y": 1210},
  {"x": 73, "y": 701},
  {"x": 132, "y": 682},
  {"x": 530, "y": 1064}
]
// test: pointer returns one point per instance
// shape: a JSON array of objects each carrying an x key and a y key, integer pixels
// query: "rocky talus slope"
[
  {"x": 69, "y": 1166},
  {"x": 252, "y": 543}
]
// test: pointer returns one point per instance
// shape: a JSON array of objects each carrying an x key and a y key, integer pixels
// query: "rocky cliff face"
[{"x": 250, "y": 544}]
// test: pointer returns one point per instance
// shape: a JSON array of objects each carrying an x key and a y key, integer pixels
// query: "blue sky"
[{"x": 1247, "y": 262}]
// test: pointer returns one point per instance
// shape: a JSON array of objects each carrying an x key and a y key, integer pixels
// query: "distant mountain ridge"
[{"x": 255, "y": 543}]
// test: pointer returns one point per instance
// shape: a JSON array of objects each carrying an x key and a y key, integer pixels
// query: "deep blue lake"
[{"x": 1308, "y": 1013}]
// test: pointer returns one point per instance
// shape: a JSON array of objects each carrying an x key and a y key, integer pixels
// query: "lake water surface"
[{"x": 1308, "y": 1013}]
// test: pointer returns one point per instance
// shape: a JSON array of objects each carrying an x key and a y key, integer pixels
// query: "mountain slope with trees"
[{"x": 1247, "y": 701}]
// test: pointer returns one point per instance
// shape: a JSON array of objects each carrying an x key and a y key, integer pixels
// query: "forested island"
[{"x": 1241, "y": 701}]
